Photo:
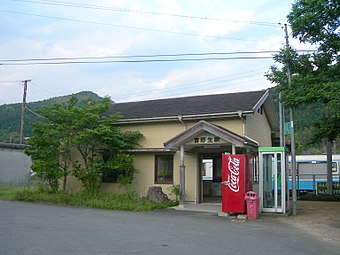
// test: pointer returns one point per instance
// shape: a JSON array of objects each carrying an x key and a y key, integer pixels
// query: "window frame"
[{"x": 167, "y": 180}]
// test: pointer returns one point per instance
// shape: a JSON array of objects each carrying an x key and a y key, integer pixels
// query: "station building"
[{"x": 194, "y": 132}]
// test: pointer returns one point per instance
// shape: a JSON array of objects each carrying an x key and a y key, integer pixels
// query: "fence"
[{"x": 310, "y": 182}]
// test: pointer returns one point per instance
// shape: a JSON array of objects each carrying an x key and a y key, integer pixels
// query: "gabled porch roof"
[{"x": 203, "y": 126}]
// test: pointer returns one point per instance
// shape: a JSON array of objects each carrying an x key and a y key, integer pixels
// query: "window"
[
  {"x": 110, "y": 176},
  {"x": 164, "y": 169},
  {"x": 207, "y": 172}
]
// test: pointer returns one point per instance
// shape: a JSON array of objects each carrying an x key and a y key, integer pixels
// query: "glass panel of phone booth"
[
  {"x": 268, "y": 181},
  {"x": 279, "y": 180},
  {"x": 286, "y": 178}
]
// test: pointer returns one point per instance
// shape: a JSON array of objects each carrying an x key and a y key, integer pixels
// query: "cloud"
[{"x": 37, "y": 37}]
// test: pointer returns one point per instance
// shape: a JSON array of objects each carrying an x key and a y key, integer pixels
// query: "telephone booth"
[{"x": 273, "y": 180}]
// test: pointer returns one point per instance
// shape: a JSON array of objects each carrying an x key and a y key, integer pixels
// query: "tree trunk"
[
  {"x": 64, "y": 182},
  {"x": 329, "y": 168}
]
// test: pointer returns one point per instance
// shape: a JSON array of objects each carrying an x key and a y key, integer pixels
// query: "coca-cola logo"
[{"x": 234, "y": 173}]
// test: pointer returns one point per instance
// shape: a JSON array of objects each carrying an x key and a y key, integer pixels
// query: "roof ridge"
[{"x": 197, "y": 96}]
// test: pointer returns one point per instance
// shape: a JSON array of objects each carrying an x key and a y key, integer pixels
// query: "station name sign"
[{"x": 207, "y": 138}]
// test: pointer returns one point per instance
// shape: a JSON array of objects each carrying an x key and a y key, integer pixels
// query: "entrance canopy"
[{"x": 207, "y": 135}]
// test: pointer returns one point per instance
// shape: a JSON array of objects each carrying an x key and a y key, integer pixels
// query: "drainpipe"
[
  {"x": 240, "y": 114},
  {"x": 180, "y": 118}
]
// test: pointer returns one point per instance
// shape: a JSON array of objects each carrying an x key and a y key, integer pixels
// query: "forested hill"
[
  {"x": 304, "y": 118},
  {"x": 10, "y": 115}
]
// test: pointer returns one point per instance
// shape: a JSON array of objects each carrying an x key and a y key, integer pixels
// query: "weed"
[{"x": 126, "y": 201}]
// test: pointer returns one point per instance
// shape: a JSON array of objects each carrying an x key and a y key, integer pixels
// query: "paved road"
[{"x": 27, "y": 228}]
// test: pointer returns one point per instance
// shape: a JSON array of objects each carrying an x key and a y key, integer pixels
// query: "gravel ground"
[{"x": 318, "y": 218}]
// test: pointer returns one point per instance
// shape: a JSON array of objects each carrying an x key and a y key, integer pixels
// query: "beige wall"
[
  {"x": 145, "y": 162},
  {"x": 258, "y": 128},
  {"x": 145, "y": 178},
  {"x": 155, "y": 134}
]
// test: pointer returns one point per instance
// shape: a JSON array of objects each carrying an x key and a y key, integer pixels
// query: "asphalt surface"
[{"x": 27, "y": 228}]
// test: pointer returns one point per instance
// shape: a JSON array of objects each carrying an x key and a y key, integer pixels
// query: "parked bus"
[{"x": 312, "y": 169}]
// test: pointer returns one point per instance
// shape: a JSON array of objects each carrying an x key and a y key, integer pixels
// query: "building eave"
[
  {"x": 151, "y": 150},
  {"x": 183, "y": 117},
  {"x": 261, "y": 101}
]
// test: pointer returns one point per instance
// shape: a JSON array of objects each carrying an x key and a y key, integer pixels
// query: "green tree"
[
  {"x": 85, "y": 130},
  {"x": 122, "y": 165},
  {"x": 315, "y": 76},
  {"x": 49, "y": 153}
]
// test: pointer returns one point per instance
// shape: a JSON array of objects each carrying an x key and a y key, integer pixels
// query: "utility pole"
[
  {"x": 292, "y": 137},
  {"x": 282, "y": 121},
  {"x": 23, "y": 110}
]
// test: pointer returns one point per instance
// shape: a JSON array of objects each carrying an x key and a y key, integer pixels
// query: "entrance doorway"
[{"x": 211, "y": 178}]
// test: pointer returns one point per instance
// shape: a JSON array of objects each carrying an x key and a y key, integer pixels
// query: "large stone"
[{"x": 156, "y": 194}]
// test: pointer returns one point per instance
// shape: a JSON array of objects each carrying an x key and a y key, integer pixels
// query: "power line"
[
  {"x": 122, "y": 26},
  {"x": 190, "y": 84},
  {"x": 126, "y": 10},
  {"x": 144, "y": 56},
  {"x": 3, "y": 81},
  {"x": 223, "y": 86},
  {"x": 109, "y": 59},
  {"x": 141, "y": 56},
  {"x": 204, "y": 89},
  {"x": 46, "y": 90},
  {"x": 135, "y": 61},
  {"x": 33, "y": 112}
]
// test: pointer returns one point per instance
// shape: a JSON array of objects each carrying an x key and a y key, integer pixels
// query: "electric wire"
[
  {"x": 33, "y": 112},
  {"x": 3, "y": 81},
  {"x": 219, "y": 87},
  {"x": 143, "y": 56},
  {"x": 135, "y": 61},
  {"x": 45, "y": 90},
  {"x": 140, "y": 56},
  {"x": 126, "y": 10},
  {"x": 199, "y": 90},
  {"x": 194, "y": 84},
  {"x": 123, "y": 26}
]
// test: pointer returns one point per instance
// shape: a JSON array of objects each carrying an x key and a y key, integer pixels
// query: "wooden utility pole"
[{"x": 23, "y": 110}]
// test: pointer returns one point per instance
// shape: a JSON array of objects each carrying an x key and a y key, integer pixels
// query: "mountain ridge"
[{"x": 10, "y": 115}]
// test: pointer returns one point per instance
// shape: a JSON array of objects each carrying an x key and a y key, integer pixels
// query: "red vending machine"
[{"x": 236, "y": 181}]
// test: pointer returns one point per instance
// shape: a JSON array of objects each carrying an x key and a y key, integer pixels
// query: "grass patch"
[
  {"x": 9, "y": 192},
  {"x": 127, "y": 201}
]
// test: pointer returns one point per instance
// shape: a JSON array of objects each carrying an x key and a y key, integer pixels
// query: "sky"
[{"x": 138, "y": 50}]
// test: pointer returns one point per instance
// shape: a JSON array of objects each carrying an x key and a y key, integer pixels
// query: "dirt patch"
[{"x": 318, "y": 218}]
